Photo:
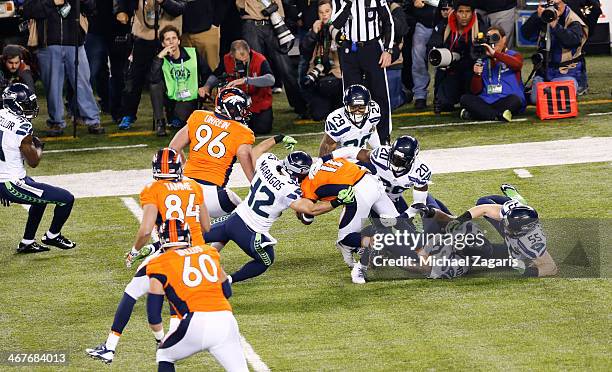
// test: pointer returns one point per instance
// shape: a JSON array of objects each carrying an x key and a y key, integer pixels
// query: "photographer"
[
  {"x": 557, "y": 26},
  {"x": 177, "y": 78},
  {"x": 248, "y": 70},
  {"x": 324, "y": 79},
  {"x": 453, "y": 57},
  {"x": 264, "y": 30},
  {"x": 497, "y": 86},
  {"x": 13, "y": 69}
]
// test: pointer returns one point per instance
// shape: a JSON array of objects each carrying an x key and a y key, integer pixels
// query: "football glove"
[
  {"x": 289, "y": 142},
  {"x": 315, "y": 167},
  {"x": 133, "y": 255},
  {"x": 424, "y": 210},
  {"x": 452, "y": 226},
  {"x": 347, "y": 196},
  {"x": 5, "y": 202}
]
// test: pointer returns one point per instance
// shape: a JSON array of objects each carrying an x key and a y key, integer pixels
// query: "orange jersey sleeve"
[
  {"x": 333, "y": 176},
  {"x": 213, "y": 144},
  {"x": 177, "y": 200},
  {"x": 190, "y": 277}
]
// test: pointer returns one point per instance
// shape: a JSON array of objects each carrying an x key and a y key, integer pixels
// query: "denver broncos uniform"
[
  {"x": 272, "y": 191},
  {"x": 213, "y": 144},
  {"x": 340, "y": 128},
  {"x": 190, "y": 277},
  {"x": 336, "y": 175},
  {"x": 418, "y": 176}
]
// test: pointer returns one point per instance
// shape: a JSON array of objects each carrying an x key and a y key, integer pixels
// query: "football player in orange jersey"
[
  {"x": 169, "y": 196},
  {"x": 332, "y": 177},
  {"x": 192, "y": 279},
  {"x": 216, "y": 139}
]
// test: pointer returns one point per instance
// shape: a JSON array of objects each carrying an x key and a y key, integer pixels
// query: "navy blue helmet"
[
  {"x": 167, "y": 165},
  {"x": 233, "y": 103},
  {"x": 520, "y": 221},
  {"x": 297, "y": 164},
  {"x": 174, "y": 232},
  {"x": 357, "y": 104},
  {"x": 402, "y": 155},
  {"x": 20, "y": 100}
]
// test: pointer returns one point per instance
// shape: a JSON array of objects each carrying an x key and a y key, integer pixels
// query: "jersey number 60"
[{"x": 201, "y": 273}]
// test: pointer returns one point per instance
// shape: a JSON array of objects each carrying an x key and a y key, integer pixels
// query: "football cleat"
[
  {"x": 33, "y": 247},
  {"x": 358, "y": 274},
  {"x": 511, "y": 192},
  {"x": 100, "y": 352},
  {"x": 465, "y": 114},
  {"x": 59, "y": 241}
]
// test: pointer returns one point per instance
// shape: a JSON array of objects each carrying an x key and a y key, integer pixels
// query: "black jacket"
[
  {"x": 428, "y": 15},
  {"x": 51, "y": 27},
  {"x": 104, "y": 22},
  {"x": 200, "y": 15},
  {"x": 492, "y": 6}
]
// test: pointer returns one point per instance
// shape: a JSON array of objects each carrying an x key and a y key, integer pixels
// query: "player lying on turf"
[
  {"x": 519, "y": 226},
  {"x": 353, "y": 125},
  {"x": 169, "y": 196},
  {"x": 275, "y": 188},
  {"x": 328, "y": 180},
  {"x": 216, "y": 139},
  {"x": 17, "y": 144},
  {"x": 192, "y": 279}
]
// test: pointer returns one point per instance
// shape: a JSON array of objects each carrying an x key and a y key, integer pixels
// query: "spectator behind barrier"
[
  {"x": 568, "y": 34},
  {"x": 323, "y": 80},
  {"x": 248, "y": 70},
  {"x": 454, "y": 70},
  {"x": 13, "y": 68},
  {"x": 497, "y": 86},
  {"x": 57, "y": 35},
  {"x": 177, "y": 78},
  {"x": 397, "y": 95}
]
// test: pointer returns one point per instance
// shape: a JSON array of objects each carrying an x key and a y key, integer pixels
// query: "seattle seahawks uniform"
[
  {"x": 418, "y": 176},
  {"x": 340, "y": 128},
  {"x": 13, "y": 129},
  {"x": 527, "y": 247},
  {"x": 272, "y": 191}
]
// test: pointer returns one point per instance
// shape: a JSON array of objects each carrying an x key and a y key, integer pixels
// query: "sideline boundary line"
[{"x": 96, "y": 148}]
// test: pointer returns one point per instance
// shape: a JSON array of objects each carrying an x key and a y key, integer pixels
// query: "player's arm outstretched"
[
  {"x": 307, "y": 206},
  {"x": 149, "y": 215},
  {"x": 265, "y": 145}
]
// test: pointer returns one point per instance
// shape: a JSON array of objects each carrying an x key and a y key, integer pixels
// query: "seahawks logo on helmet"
[
  {"x": 520, "y": 221},
  {"x": 297, "y": 164},
  {"x": 20, "y": 100}
]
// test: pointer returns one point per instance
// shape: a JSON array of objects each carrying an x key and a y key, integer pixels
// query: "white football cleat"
[
  {"x": 100, "y": 352},
  {"x": 358, "y": 274}
]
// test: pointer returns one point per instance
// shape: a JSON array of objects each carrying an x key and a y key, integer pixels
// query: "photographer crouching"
[
  {"x": 248, "y": 70},
  {"x": 452, "y": 55},
  {"x": 497, "y": 85},
  {"x": 561, "y": 35},
  {"x": 323, "y": 81},
  {"x": 177, "y": 77}
]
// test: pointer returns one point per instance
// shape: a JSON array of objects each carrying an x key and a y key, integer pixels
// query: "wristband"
[
  {"x": 279, "y": 138},
  {"x": 335, "y": 203},
  {"x": 465, "y": 217}
]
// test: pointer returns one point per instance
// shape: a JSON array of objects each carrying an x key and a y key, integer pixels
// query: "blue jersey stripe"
[{"x": 340, "y": 132}]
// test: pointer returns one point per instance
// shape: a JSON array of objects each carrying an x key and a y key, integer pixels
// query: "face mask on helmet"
[
  {"x": 399, "y": 163},
  {"x": 297, "y": 165},
  {"x": 167, "y": 165},
  {"x": 30, "y": 108},
  {"x": 358, "y": 112}
]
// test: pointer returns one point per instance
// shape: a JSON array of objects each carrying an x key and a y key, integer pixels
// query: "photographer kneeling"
[
  {"x": 497, "y": 86},
  {"x": 248, "y": 70},
  {"x": 323, "y": 80},
  {"x": 559, "y": 27},
  {"x": 452, "y": 55},
  {"x": 177, "y": 75}
]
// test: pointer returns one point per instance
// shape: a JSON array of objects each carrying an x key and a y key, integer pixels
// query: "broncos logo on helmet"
[
  {"x": 167, "y": 164},
  {"x": 174, "y": 232},
  {"x": 297, "y": 164},
  {"x": 233, "y": 104},
  {"x": 20, "y": 100}
]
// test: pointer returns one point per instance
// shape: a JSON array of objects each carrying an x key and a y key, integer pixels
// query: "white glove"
[{"x": 315, "y": 167}]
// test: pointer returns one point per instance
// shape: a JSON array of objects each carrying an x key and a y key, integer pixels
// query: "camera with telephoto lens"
[
  {"x": 478, "y": 50},
  {"x": 314, "y": 73},
  {"x": 442, "y": 57},
  {"x": 550, "y": 12},
  {"x": 282, "y": 32},
  {"x": 240, "y": 69}
]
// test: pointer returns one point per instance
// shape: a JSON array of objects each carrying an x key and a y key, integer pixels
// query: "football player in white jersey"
[
  {"x": 18, "y": 144},
  {"x": 354, "y": 124},
  {"x": 275, "y": 187},
  {"x": 520, "y": 227},
  {"x": 398, "y": 167}
]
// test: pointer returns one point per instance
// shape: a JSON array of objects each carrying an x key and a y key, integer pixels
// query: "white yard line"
[
  {"x": 459, "y": 124},
  {"x": 600, "y": 114},
  {"x": 441, "y": 161},
  {"x": 523, "y": 173},
  {"x": 252, "y": 358},
  {"x": 96, "y": 148},
  {"x": 133, "y": 206}
]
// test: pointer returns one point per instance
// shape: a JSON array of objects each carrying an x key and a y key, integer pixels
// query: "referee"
[{"x": 366, "y": 51}]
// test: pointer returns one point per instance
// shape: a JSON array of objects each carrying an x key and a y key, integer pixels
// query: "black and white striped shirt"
[{"x": 364, "y": 20}]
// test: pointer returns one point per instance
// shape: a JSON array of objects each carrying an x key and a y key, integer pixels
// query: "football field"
[{"x": 304, "y": 313}]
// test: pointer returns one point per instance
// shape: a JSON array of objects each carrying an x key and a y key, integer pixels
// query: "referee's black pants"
[{"x": 364, "y": 63}]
